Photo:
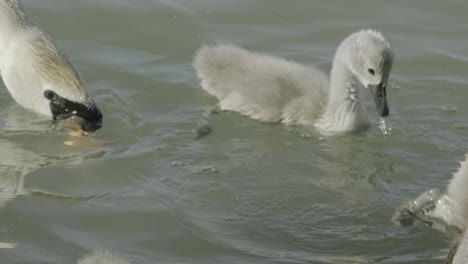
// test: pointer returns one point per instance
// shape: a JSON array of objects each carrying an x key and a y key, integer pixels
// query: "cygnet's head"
[{"x": 371, "y": 60}]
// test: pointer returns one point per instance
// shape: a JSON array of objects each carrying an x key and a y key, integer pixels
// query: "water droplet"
[
  {"x": 383, "y": 127},
  {"x": 449, "y": 108}
]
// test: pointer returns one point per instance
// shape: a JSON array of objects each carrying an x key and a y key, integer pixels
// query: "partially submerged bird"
[
  {"x": 450, "y": 206},
  {"x": 441, "y": 208},
  {"x": 38, "y": 75},
  {"x": 272, "y": 89}
]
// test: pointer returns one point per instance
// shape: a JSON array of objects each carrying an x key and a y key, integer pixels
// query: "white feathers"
[
  {"x": 31, "y": 63},
  {"x": 452, "y": 207},
  {"x": 239, "y": 79},
  {"x": 272, "y": 89}
]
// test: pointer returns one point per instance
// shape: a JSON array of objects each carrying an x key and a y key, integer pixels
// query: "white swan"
[
  {"x": 37, "y": 74},
  {"x": 272, "y": 89},
  {"x": 102, "y": 257},
  {"x": 450, "y": 207}
]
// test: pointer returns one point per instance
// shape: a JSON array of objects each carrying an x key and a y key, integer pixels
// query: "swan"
[
  {"x": 450, "y": 207},
  {"x": 272, "y": 89},
  {"x": 37, "y": 74},
  {"x": 102, "y": 257}
]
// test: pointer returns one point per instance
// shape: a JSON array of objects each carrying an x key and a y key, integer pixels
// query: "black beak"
[
  {"x": 63, "y": 108},
  {"x": 92, "y": 117},
  {"x": 380, "y": 97}
]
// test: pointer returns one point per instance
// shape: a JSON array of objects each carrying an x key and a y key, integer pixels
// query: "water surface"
[{"x": 248, "y": 192}]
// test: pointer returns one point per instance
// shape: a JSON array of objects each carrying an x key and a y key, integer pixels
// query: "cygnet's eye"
[
  {"x": 371, "y": 71},
  {"x": 49, "y": 95}
]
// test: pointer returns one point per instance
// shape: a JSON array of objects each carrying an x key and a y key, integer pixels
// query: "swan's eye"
[
  {"x": 371, "y": 71},
  {"x": 49, "y": 95}
]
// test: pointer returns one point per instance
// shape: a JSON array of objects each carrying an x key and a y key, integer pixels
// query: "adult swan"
[
  {"x": 37, "y": 74},
  {"x": 272, "y": 89}
]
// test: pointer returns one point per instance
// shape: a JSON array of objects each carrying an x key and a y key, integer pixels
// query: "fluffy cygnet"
[{"x": 272, "y": 89}]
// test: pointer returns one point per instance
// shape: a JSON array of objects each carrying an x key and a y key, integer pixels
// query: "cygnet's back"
[{"x": 262, "y": 87}]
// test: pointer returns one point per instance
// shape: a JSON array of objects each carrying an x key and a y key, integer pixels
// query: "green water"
[{"x": 248, "y": 192}]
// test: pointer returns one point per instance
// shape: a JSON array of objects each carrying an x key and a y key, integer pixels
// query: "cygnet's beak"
[
  {"x": 63, "y": 109},
  {"x": 379, "y": 92}
]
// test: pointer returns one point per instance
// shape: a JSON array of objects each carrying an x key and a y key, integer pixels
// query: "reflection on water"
[{"x": 17, "y": 162}]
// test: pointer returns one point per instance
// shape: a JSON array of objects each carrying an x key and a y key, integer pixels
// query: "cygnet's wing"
[{"x": 262, "y": 87}]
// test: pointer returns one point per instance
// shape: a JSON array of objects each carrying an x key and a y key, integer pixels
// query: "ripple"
[
  {"x": 448, "y": 108},
  {"x": 206, "y": 168}
]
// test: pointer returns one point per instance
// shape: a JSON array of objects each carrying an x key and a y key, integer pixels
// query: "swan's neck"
[
  {"x": 12, "y": 18},
  {"x": 344, "y": 111}
]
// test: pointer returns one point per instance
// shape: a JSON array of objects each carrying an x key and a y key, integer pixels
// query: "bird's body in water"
[
  {"x": 272, "y": 89},
  {"x": 38, "y": 75},
  {"x": 443, "y": 209}
]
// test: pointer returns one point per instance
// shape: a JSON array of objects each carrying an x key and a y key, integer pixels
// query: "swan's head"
[
  {"x": 42, "y": 78},
  {"x": 371, "y": 61},
  {"x": 61, "y": 94},
  {"x": 62, "y": 108}
]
